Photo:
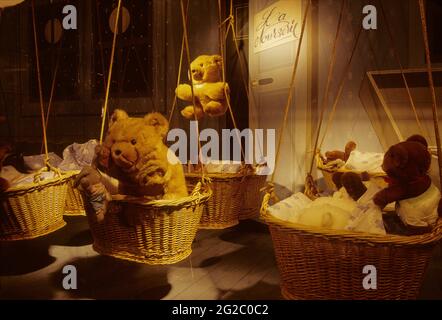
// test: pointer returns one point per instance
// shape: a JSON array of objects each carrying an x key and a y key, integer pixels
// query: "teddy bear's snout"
[
  {"x": 124, "y": 155},
  {"x": 197, "y": 74}
]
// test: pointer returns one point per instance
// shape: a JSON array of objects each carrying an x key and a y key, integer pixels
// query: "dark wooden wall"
[{"x": 144, "y": 76}]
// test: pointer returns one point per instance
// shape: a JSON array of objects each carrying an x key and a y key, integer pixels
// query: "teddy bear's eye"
[{"x": 133, "y": 141}]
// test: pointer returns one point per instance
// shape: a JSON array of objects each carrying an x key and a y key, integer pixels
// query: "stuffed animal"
[
  {"x": 341, "y": 155},
  {"x": 133, "y": 160},
  {"x": 208, "y": 89},
  {"x": 352, "y": 182},
  {"x": 418, "y": 201}
]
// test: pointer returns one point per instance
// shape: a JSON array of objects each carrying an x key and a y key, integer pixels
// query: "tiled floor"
[{"x": 236, "y": 263}]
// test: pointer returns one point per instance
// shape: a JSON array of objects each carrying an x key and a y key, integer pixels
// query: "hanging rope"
[
  {"x": 398, "y": 60},
  {"x": 270, "y": 188},
  {"x": 100, "y": 41},
  {"x": 40, "y": 90},
  {"x": 431, "y": 82},
  {"x": 186, "y": 44},
  {"x": 174, "y": 103},
  {"x": 109, "y": 77},
  {"x": 383, "y": 103},
  {"x": 230, "y": 21},
  {"x": 327, "y": 86},
  {"x": 341, "y": 86},
  {"x": 180, "y": 66},
  {"x": 226, "y": 93},
  {"x": 54, "y": 80},
  {"x": 291, "y": 89}
]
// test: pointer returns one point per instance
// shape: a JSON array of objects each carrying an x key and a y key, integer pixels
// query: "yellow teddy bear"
[{"x": 208, "y": 88}]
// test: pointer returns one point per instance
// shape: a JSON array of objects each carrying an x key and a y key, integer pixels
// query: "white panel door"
[{"x": 274, "y": 39}]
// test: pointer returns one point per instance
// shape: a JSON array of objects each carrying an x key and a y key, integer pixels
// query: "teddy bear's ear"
[
  {"x": 349, "y": 148},
  {"x": 218, "y": 60},
  {"x": 398, "y": 154},
  {"x": 117, "y": 116},
  {"x": 159, "y": 122},
  {"x": 418, "y": 138}
]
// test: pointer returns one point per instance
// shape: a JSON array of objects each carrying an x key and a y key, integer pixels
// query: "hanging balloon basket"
[
  {"x": 155, "y": 233},
  {"x": 35, "y": 209}
]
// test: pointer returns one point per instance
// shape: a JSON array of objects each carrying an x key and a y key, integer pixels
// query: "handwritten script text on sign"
[{"x": 278, "y": 24}]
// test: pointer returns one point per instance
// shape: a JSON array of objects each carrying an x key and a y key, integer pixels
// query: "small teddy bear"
[
  {"x": 133, "y": 160},
  {"x": 341, "y": 155},
  {"x": 208, "y": 89}
]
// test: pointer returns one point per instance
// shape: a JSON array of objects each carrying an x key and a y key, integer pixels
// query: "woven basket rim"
[
  {"x": 320, "y": 165},
  {"x": 360, "y": 237},
  {"x": 191, "y": 200},
  {"x": 45, "y": 183},
  {"x": 218, "y": 176}
]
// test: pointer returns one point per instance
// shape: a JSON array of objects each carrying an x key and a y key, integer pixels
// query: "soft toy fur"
[
  {"x": 208, "y": 89},
  {"x": 341, "y": 155},
  {"x": 134, "y": 154},
  {"x": 407, "y": 165},
  {"x": 352, "y": 182}
]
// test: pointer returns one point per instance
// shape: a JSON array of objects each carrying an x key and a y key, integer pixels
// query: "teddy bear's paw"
[
  {"x": 87, "y": 177},
  {"x": 184, "y": 92},
  {"x": 215, "y": 108},
  {"x": 380, "y": 200},
  {"x": 187, "y": 113},
  {"x": 190, "y": 112},
  {"x": 152, "y": 175}
]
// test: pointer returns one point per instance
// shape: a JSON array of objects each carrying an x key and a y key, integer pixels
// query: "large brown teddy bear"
[
  {"x": 208, "y": 88},
  {"x": 409, "y": 185},
  {"x": 133, "y": 160}
]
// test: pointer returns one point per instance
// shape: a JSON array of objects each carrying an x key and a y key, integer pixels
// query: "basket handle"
[
  {"x": 269, "y": 195},
  {"x": 47, "y": 168},
  {"x": 204, "y": 184}
]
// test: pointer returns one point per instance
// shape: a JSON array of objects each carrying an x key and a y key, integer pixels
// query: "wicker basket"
[
  {"x": 328, "y": 264},
  {"x": 376, "y": 177},
  {"x": 223, "y": 208},
  {"x": 33, "y": 210},
  {"x": 252, "y": 196},
  {"x": 156, "y": 232},
  {"x": 74, "y": 200}
]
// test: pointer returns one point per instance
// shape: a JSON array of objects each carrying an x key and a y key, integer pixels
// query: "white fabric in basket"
[
  {"x": 77, "y": 155},
  {"x": 365, "y": 161},
  {"x": 16, "y": 178},
  {"x": 287, "y": 210},
  {"x": 36, "y": 162},
  {"x": 420, "y": 211},
  {"x": 339, "y": 212}
]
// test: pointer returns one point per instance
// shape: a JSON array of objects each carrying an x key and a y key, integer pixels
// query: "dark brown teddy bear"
[{"x": 406, "y": 164}]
